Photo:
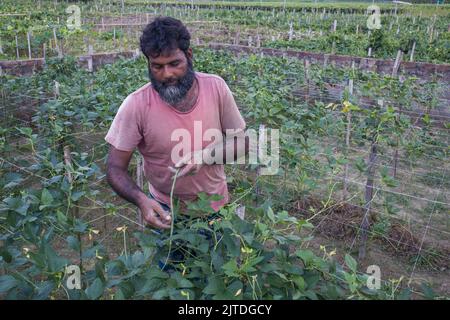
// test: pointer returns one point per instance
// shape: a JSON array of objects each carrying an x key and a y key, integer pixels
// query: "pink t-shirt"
[{"x": 145, "y": 121}]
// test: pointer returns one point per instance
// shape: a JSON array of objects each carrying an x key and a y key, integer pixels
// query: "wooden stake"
[
  {"x": 397, "y": 62},
  {"x": 394, "y": 74},
  {"x": 55, "y": 39},
  {"x": 368, "y": 197},
  {"x": 29, "y": 45},
  {"x": 236, "y": 38},
  {"x": 90, "y": 61},
  {"x": 306, "y": 67},
  {"x": 347, "y": 134},
  {"x": 411, "y": 57},
  {"x": 431, "y": 33},
  {"x": 17, "y": 48},
  {"x": 68, "y": 161},
  {"x": 261, "y": 143}
]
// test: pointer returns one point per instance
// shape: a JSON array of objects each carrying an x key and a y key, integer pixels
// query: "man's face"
[{"x": 172, "y": 75}]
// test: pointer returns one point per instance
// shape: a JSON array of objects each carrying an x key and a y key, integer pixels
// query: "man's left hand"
[{"x": 189, "y": 164}]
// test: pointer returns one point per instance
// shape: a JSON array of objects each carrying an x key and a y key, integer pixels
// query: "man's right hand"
[{"x": 154, "y": 214}]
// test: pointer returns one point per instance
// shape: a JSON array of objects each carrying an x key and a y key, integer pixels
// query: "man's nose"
[{"x": 168, "y": 74}]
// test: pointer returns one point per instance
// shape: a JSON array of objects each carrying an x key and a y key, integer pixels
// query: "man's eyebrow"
[{"x": 162, "y": 64}]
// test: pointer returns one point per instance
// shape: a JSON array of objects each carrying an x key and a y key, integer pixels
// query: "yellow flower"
[{"x": 120, "y": 229}]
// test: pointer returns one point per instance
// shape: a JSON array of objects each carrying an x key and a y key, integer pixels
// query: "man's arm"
[
  {"x": 121, "y": 182},
  {"x": 118, "y": 177}
]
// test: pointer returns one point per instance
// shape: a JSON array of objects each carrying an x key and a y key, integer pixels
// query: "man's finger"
[
  {"x": 165, "y": 215},
  {"x": 172, "y": 169},
  {"x": 181, "y": 163},
  {"x": 157, "y": 223},
  {"x": 152, "y": 219},
  {"x": 184, "y": 161},
  {"x": 185, "y": 170}
]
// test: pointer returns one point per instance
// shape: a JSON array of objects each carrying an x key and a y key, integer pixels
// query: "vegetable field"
[{"x": 364, "y": 154}]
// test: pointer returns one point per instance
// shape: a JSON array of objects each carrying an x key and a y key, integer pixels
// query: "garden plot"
[{"x": 57, "y": 209}]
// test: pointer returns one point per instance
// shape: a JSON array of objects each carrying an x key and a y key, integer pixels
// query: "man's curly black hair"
[{"x": 163, "y": 35}]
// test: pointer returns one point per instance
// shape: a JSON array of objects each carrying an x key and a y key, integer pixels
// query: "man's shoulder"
[
  {"x": 214, "y": 82},
  {"x": 141, "y": 92},
  {"x": 209, "y": 77},
  {"x": 139, "y": 97}
]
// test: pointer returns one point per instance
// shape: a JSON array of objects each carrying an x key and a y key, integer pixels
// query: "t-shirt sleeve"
[
  {"x": 230, "y": 117},
  {"x": 125, "y": 132}
]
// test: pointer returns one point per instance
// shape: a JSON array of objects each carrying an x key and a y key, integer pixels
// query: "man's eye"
[
  {"x": 157, "y": 67},
  {"x": 174, "y": 64}
]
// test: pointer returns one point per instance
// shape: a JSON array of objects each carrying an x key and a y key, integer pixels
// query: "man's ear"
[{"x": 189, "y": 53}]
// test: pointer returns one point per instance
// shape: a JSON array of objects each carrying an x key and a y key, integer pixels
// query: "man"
[{"x": 178, "y": 104}]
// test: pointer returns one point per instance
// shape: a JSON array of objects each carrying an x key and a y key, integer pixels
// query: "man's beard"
[{"x": 174, "y": 94}]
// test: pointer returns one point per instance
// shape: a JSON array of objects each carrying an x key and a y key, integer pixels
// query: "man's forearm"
[{"x": 124, "y": 186}]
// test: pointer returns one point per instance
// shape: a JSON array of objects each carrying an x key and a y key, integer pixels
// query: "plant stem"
[{"x": 173, "y": 216}]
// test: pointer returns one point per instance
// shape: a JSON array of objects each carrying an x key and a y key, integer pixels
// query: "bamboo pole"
[{"x": 347, "y": 134}]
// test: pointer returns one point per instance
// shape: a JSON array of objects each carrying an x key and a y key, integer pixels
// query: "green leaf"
[
  {"x": 61, "y": 217},
  {"x": 73, "y": 243},
  {"x": 95, "y": 290},
  {"x": 77, "y": 195},
  {"x": 350, "y": 262},
  {"x": 7, "y": 282},
  {"x": 181, "y": 282},
  {"x": 80, "y": 226},
  {"x": 270, "y": 214},
  {"x": 6, "y": 256},
  {"x": 55, "y": 263},
  {"x": 231, "y": 244},
  {"x": 25, "y": 131},
  {"x": 161, "y": 294},
  {"x": 17, "y": 204},
  {"x": 306, "y": 255},
  {"x": 46, "y": 197},
  {"x": 231, "y": 268},
  {"x": 311, "y": 279},
  {"x": 137, "y": 259},
  {"x": 235, "y": 288},
  {"x": 119, "y": 295},
  {"x": 255, "y": 261},
  {"x": 12, "y": 179},
  {"x": 215, "y": 285},
  {"x": 405, "y": 294},
  {"x": 127, "y": 289},
  {"x": 44, "y": 290},
  {"x": 281, "y": 275},
  {"x": 299, "y": 282},
  {"x": 428, "y": 291},
  {"x": 311, "y": 295}
]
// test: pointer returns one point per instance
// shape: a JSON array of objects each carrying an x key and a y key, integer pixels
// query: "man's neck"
[{"x": 189, "y": 100}]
